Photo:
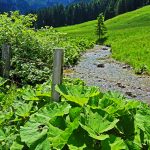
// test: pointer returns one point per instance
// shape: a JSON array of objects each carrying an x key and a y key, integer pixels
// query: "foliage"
[
  {"x": 128, "y": 37},
  {"x": 32, "y": 50},
  {"x": 66, "y": 12},
  {"x": 84, "y": 119},
  {"x": 85, "y": 10},
  {"x": 101, "y": 29}
]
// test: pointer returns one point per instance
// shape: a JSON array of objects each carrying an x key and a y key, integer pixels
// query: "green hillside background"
[{"x": 128, "y": 35}]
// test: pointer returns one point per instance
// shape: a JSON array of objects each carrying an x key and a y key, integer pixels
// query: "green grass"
[
  {"x": 83, "y": 30},
  {"x": 129, "y": 37}
]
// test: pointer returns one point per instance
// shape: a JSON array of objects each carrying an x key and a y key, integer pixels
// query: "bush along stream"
[
  {"x": 97, "y": 68},
  {"x": 85, "y": 118},
  {"x": 32, "y": 50}
]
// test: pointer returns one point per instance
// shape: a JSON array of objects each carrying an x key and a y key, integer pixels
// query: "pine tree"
[{"x": 101, "y": 29}]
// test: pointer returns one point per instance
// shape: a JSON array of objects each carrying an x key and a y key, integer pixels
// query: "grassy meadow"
[{"x": 128, "y": 35}]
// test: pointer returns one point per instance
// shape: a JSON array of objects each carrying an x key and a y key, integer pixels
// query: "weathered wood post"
[
  {"x": 57, "y": 72},
  {"x": 6, "y": 58}
]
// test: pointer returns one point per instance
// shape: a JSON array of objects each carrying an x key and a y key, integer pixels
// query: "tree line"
[{"x": 60, "y": 15}]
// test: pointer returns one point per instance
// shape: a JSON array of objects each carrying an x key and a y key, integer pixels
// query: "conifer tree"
[{"x": 101, "y": 28}]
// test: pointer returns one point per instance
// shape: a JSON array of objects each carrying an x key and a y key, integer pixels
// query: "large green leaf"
[
  {"x": 138, "y": 139},
  {"x": 33, "y": 133},
  {"x": 132, "y": 104},
  {"x": 72, "y": 147},
  {"x": 53, "y": 131},
  {"x": 99, "y": 137},
  {"x": 132, "y": 146},
  {"x": 117, "y": 105},
  {"x": 97, "y": 122},
  {"x": 16, "y": 146},
  {"x": 126, "y": 126},
  {"x": 39, "y": 136},
  {"x": 24, "y": 109},
  {"x": 43, "y": 90},
  {"x": 29, "y": 94},
  {"x": 44, "y": 145},
  {"x": 80, "y": 139},
  {"x": 114, "y": 143},
  {"x": 60, "y": 140},
  {"x": 48, "y": 112},
  {"x": 142, "y": 126},
  {"x": 54, "y": 109},
  {"x": 74, "y": 112},
  {"x": 77, "y": 94},
  {"x": 113, "y": 104},
  {"x": 5, "y": 115}
]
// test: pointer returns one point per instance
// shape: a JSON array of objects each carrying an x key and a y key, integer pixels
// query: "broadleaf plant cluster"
[
  {"x": 84, "y": 119},
  {"x": 32, "y": 49}
]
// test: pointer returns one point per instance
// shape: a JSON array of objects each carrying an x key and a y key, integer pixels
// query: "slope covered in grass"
[
  {"x": 129, "y": 37},
  {"x": 83, "y": 30}
]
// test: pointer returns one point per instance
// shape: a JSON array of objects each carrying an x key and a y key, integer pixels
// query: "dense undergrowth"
[
  {"x": 32, "y": 50},
  {"x": 128, "y": 35},
  {"x": 85, "y": 119}
]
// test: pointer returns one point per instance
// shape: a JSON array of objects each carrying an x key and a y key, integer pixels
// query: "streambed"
[{"x": 97, "y": 68}]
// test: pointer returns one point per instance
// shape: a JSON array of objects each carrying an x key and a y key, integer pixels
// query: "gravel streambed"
[{"x": 97, "y": 68}]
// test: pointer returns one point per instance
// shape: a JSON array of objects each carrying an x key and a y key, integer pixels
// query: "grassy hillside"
[
  {"x": 129, "y": 36},
  {"x": 83, "y": 30}
]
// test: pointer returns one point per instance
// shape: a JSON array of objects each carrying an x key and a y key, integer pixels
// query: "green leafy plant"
[
  {"x": 32, "y": 50},
  {"x": 85, "y": 119}
]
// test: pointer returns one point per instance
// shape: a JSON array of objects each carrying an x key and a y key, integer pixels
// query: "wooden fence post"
[
  {"x": 6, "y": 58},
  {"x": 57, "y": 72}
]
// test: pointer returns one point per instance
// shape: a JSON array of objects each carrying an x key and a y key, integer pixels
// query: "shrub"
[{"x": 32, "y": 50}]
